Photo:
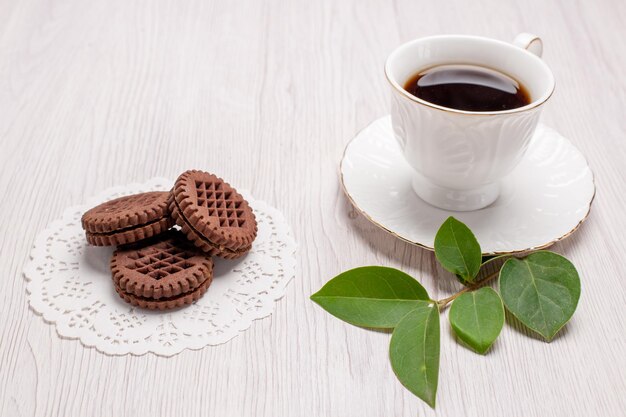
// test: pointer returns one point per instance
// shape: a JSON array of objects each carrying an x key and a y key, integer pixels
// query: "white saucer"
[{"x": 546, "y": 197}]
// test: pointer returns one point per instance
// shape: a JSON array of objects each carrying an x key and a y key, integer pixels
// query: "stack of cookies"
[{"x": 158, "y": 265}]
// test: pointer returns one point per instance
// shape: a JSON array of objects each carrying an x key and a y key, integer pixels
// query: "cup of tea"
[{"x": 464, "y": 109}]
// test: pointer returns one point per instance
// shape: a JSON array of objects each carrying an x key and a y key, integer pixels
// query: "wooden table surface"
[{"x": 267, "y": 93}]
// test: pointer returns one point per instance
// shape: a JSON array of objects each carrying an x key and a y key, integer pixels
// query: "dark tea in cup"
[{"x": 468, "y": 87}]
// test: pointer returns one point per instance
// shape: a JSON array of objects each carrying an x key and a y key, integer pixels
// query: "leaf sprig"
[{"x": 541, "y": 290}]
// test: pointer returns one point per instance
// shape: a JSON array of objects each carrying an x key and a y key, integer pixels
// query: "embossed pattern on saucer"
[{"x": 543, "y": 200}]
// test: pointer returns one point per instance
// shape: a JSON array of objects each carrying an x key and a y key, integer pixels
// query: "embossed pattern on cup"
[{"x": 465, "y": 152}]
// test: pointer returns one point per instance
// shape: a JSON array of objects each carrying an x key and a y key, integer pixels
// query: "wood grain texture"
[{"x": 99, "y": 93}]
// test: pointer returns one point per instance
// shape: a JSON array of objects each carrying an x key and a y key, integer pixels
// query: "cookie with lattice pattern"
[
  {"x": 163, "y": 272},
  {"x": 127, "y": 219},
  {"x": 163, "y": 267},
  {"x": 213, "y": 215}
]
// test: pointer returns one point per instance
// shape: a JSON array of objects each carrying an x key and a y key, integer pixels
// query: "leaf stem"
[
  {"x": 495, "y": 258},
  {"x": 443, "y": 303}
]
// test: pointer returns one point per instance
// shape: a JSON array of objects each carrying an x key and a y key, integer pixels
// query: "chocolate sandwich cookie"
[
  {"x": 127, "y": 219},
  {"x": 213, "y": 215},
  {"x": 161, "y": 273}
]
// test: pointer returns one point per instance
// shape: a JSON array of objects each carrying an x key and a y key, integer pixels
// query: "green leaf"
[
  {"x": 414, "y": 351},
  {"x": 457, "y": 249},
  {"x": 371, "y": 296},
  {"x": 477, "y": 318},
  {"x": 541, "y": 290}
]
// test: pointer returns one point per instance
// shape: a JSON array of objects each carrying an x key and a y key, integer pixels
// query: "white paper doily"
[{"x": 69, "y": 283}]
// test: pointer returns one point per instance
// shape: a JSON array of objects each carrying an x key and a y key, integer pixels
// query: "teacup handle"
[{"x": 532, "y": 43}]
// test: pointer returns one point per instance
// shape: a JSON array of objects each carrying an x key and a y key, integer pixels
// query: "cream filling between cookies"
[
  {"x": 126, "y": 229},
  {"x": 165, "y": 299},
  {"x": 202, "y": 237}
]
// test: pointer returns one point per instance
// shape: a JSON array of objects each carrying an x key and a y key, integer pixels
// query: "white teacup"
[{"x": 459, "y": 157}]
